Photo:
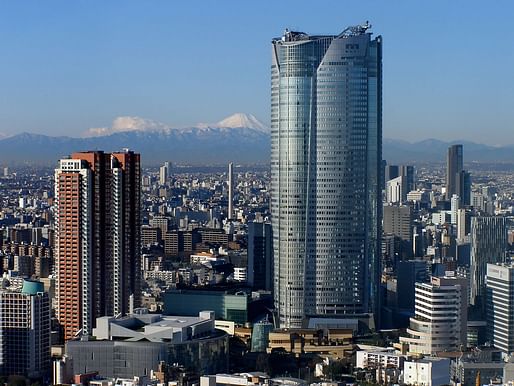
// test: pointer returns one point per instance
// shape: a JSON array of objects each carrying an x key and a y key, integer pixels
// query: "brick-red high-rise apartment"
[{"x": 98, "y": 236}]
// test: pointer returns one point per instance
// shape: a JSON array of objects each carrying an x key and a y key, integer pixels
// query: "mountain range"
[
  {"x": 241, "y": 138},
  {"x": 434, "y": 150}
]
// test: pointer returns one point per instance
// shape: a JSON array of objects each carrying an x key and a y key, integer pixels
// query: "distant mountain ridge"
[
  {"x": 240, "y": 138},
  {"x": 128, "y": 123},
  {"x": 434, "y": 150},
  {"x": 206, "y": 144}
]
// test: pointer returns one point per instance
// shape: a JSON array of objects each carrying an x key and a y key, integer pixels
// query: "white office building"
[
  {"x": 394, "y": 190},
  {"x": 455, "y": 206},
  {"x": 385, "y": 358},
  {"x": 440, "y": 319},
  {"x": 163, "y": 174},
  {"x": 240, "y": 274},
  {"x": 427, "y": 372}
]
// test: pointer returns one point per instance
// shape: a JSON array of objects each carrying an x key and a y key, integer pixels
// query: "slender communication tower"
[{"x": 230, "y": 190}]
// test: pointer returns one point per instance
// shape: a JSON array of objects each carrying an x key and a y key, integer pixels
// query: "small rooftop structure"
[
  {"x": 249, "y": 379},
  {"x": 297, "y": 36},
  {"x": 155, "y": 327}
]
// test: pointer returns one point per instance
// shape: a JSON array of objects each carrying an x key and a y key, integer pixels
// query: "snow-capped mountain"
[
  {"x": 243, "y": 120},
  {"x": 156, "y": 141},
  {"x": 127, "y": 123},
  {"x": 240, "y": 138},
  {"x": 123, "y": 124}
]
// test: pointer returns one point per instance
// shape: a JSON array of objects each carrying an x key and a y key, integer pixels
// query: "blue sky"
[{"x": 69, "y": 65}]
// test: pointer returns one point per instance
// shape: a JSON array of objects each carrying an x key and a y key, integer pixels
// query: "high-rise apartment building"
[
  {"x": 489, "y": 243},
  {"x": 454, "y": 165},
  {"x": 478, "y": 201},
  {"x": 500, "y": 306},
  {"x": 24, "y": 330},
  {"x": 440, "y": 321},
  {"x": 326, "y": 166},
  {"x": 98, "y": 236},
  {"x": 161, "y": 222},
  {"x": 454, "y": 208},
  {"x": 463, "y": 224},
  {"x": 398, "y": 221},
  {"x": 163, "y": 173}
]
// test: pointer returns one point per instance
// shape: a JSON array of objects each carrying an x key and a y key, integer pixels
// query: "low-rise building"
[
  {"x": 486, "y": 361},
  {"x": 429, "y": 371},
  {"x": 243, "y": 379},
  {"x": 205, "y": 257},
  {"x": 333, "y": 342},
  {"x": 150, "y": 235},
  {"x": 135, "y": 345},
  {"x": 249, "y": 379},
  {"x": 386, "y": 358},
  {"x": 227, "y": 306},
  {"x": 240, "y": 274}
]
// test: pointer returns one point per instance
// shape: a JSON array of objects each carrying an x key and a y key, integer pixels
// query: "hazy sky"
[{"x": 69, "y": 65}]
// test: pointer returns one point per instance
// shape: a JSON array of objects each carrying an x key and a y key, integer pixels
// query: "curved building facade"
[
  {"x": 135, "y": 345},
  {"x": 326, "y": 136},
  {"x": 125, "y": 359}
]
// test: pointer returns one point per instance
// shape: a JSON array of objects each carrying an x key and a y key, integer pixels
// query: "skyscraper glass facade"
[
  {"x": 325, "y": 164},
  {"x": 454, "y": 166},
  {"x": 489, "y": 243}
]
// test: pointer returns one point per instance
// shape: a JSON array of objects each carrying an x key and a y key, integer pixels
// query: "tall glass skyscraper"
[
  {"x": 454, "y": 166},
  {"x": 489, "y": 244},
  {"x": 326, "y": 145}
]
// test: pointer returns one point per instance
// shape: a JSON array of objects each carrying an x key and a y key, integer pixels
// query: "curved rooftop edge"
[{"x": 297, "y": 36}]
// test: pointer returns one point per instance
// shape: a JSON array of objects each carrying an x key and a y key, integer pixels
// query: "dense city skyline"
[
  {"x": 321, "y": 253},
  {"x": 79, "y": 65}
]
